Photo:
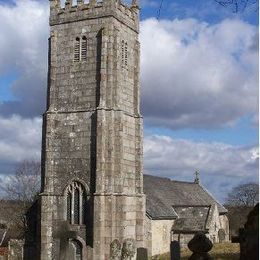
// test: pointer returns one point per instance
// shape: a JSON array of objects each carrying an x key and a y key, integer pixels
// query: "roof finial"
[{"x": 197, "y": 177}]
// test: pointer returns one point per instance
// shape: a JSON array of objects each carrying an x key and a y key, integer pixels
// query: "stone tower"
[{"x": 92, "y": 201}]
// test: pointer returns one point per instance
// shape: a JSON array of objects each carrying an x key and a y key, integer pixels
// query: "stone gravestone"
[
  {"x": 175, "y": 250},
  {"x": 115, "y": 250},
  {"x": 142, "y": 254},
  {"x": 221, "y": 235},
  {"x": 128, "y": 249},
  {"x": 200, "y": 245}
]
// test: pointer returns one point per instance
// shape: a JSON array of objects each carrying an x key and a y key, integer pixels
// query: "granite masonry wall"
[{"x": 92, "y": 131}]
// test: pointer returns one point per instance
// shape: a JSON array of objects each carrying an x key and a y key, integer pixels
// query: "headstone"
[
  {"x": 128, "y": 249},
  {"x": 115, "y": 250},
  {"x": 142, "y": 254},
  {"x": 175, "y": 250},
  {"x": 221, "y": 235}
]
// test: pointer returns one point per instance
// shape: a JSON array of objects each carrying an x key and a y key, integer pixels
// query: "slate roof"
[
  {"x": 194, "y": 217},
  {"x": 163, "y": 194}
]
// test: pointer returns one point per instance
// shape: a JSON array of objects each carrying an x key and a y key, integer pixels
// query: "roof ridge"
[
  {"x": 188, "y": 182},
  {"x": 155, "y": 176},
  {"x": 169, "y": 179},
  {"x": 203, "y": 188},
  {"x": 198, "y": 205}
]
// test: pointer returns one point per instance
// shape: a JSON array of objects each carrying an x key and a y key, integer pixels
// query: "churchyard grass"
[{"x": 220, "y": 251}]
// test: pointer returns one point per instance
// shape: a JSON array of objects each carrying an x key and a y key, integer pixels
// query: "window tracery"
[{"x": 76, "y": 203}]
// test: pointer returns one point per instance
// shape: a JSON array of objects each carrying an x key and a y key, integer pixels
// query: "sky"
[{"x": 199, "y": 89}]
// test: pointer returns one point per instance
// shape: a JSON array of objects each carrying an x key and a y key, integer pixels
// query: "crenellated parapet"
[{"x": 127, "y": 14}]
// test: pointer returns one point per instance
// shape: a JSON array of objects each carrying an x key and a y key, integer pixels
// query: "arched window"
[
  {"x": 76, "y": 203},
  {"x": 77, "y": 50},
  {"x": 84, "y": 48},
  {"x": 77, "y": 249},
  {"x": 80, "y": 49}
]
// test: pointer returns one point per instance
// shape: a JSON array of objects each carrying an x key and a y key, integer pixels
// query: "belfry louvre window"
[
  {"x": 77, "y": 50},
  {"x": 124, "y": 53},
  {"x": 84, "y": 48},
  {"x": 80, "y": 49},
  {"x": 76, "y": 203}
]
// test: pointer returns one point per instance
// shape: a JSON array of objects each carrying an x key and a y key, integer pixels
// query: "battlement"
[{"x": 128, "y": 14}]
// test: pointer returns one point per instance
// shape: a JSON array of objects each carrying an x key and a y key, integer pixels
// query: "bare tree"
[
  {"x": 239, "y": 5},
  {"x": 24, "y": 185},
  {"x": 246, "y": 195},
  {"x": 20, "y": 190}
]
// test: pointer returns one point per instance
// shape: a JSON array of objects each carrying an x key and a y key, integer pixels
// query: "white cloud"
[
  {"x": 198, "y": 75},
  {"x": 23, "y": 50},
  {"x": 222, "y": 166},
  {"x": 20, "y": 139},
  {"x": 193, "y": 75}
]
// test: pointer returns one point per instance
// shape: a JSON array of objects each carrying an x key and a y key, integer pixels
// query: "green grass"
[{"x": 220, "y": 251}]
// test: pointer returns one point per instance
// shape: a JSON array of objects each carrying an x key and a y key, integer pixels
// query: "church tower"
[{"x": 92, "y": 201}]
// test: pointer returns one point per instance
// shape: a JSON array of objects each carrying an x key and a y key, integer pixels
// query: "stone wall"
[
  {"x": 92, "y": 130},
  {"x": 161, "y": 236},
  {"x": 213, "y": 224},
  {"x": 183, "y": 239}
]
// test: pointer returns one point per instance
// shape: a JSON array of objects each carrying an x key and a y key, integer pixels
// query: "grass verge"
[{"x": 220, "y": 251}]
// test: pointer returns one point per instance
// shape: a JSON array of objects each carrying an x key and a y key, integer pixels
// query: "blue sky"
[
  {"x": 204, "y": 10},
  {"x": 6, "y": 81},
  {"x": 199, "y": 99},
  {"x": 243, "y": 132}
]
